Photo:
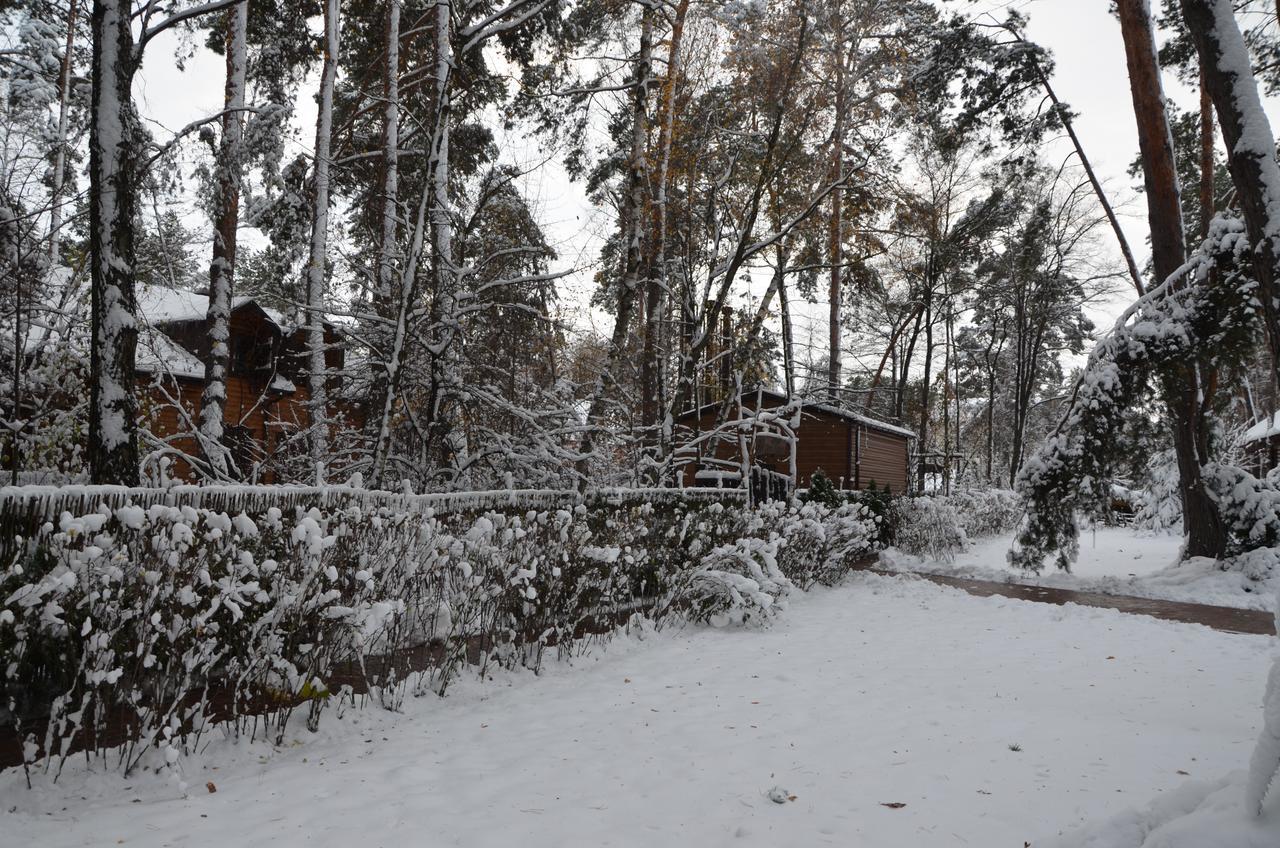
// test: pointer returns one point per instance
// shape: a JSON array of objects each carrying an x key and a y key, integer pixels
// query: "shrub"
[
  {"x": 822, "y": 490},
  {"x": 737, "y": 583},
  {"x": 879, "y": 503},
  {"x": 929, "y": 527},
  {"x": 150, "y": 623},
  {"x": 820, "y": 543},
  {"x": 987, "y": 512}
]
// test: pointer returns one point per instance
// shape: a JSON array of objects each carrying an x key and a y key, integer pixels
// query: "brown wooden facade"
[
  {"x": 268, "y": 400},
  {"x": 854, "y": 451}
]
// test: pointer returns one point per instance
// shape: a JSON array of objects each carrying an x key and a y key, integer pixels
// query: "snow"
[
  {"x": 881, "y": 691},
  {"x": 158, "y": 354},
  {"x": 1198, "y": 814},
  {"x": 163, "y": 305},
  {"x": 1113, "y": 560},
  {"x": 776, "y": 397},
  {"x": 1264, "y": 429},
  {"x": 1256, "y": 138}
]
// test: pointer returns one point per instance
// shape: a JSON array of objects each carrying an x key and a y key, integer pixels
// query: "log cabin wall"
[
  {"x": 267, "y": 394},
  {"x": 258, "y": 421},
  {"x": 882, "y": 461},
  {"x": 851, "y": 453},
  {"x": 823, "y": 444}
]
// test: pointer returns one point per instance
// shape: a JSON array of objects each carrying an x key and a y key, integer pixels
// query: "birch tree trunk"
[
  {"x": 315, "y": 273},
  {"x": 60, "y": 155},
  {"x": 384, "y": 299},
  {"x": 213, "y": 400},
  {"x": 633, "y": 216},
  {"x": 1205, "y": 534},
  {"x": 444, "y": 405},
  {"x": 113, "y": 178},
  {"x": 835, "y": 235}
]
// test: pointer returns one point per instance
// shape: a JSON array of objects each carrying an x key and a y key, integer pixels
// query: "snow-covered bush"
[
  {"x": 142, "y": 624},
  {"x": 929, "y": 527},
  {"x": 820, "y": 543},
  {"x": 738, "y": 583},
  {"x": 986, "y": 512}
]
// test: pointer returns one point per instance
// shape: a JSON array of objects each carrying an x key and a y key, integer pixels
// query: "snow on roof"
[
  {"x": 161, "y": 305},
  {"x": 866, "y": 421},
  {"x": 159, "y": 354},
  {"x": 1264, "y": 429}
]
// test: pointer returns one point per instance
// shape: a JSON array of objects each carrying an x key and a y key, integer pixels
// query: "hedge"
[{"x": 128, "y": 629}]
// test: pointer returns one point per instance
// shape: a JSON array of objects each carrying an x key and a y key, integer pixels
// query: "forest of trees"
[{"x": 876, "y": 164}]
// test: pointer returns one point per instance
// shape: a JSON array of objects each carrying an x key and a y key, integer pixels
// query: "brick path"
[{"x": 1229, "y": 619}]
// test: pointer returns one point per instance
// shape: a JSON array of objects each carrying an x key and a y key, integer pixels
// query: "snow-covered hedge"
[
  {"x": 928, "y": 527},
  {"x": 939, "y": 526},
  {"x": 987, "y": 512},
  {"x": 142, "y": 625}
]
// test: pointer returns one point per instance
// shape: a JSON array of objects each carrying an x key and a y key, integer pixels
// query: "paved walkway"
[{"x": 1228, "y": 619}]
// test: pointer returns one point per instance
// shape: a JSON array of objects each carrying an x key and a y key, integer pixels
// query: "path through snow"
[
  {"x": 1114, "y": 560},
  {"x": 883, "y": 690}
]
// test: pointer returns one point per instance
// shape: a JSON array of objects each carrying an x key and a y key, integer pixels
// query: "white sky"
[{"x": 1090, "y": 76}]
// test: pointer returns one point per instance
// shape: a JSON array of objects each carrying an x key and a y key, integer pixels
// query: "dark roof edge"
[{"x": 866, "y": 421}]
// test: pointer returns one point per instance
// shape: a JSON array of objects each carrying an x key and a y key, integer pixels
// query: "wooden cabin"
[
  {"x": 1261, "y": 444},
  {"x": 853, "y": 450},
  {"x": 267, "y": 395}
]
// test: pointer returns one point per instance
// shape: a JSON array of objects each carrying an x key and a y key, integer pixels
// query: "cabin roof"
[
  {"x": 163, "y": 305},
  {"x": 159, "y": 354},
  {"x": 1264, "y": 429},
  {"x": 778, "y": 398}
]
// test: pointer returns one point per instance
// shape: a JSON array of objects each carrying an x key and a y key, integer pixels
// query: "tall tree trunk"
[
  {"x": 1251, "y": 157},
  {"x": 904, "y": 369},
  {"x": 835, "y": 234},
  {"x": 632, "y": 220},
  {"x": 213, "y": 400},
  {"x": 1205, "y": 534},
  {"x": 444, "y": 413},
  {"x": 113, "y": 184},
  {"x": 319, "y": 245},
  {"x": 652, "y": 370},
  {"x": 1207, "y": 200},
  {"x": 788, "y": 350},
  {"x": 946, "y": 402},
  {"x": 991, "y": 424},
  {"x": 60, "y": 155},
  {"x": 889, "y": 351},
  {"x": 391, "y": 349},
  {"x": 923, "y": 435}
]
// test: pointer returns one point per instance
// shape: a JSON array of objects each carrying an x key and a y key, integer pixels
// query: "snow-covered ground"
[
  {"x": 994, "y": 721},
  {"x": 1115, "y": 560}
]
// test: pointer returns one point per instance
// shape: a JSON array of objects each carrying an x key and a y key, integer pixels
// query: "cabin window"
[{"x": 249, "y": 353}]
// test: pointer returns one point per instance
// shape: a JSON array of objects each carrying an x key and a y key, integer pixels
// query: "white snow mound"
[{"x": 1194, "y": 815}]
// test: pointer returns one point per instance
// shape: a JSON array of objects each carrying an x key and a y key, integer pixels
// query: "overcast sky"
[{"x": 1090, "y": 75}]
